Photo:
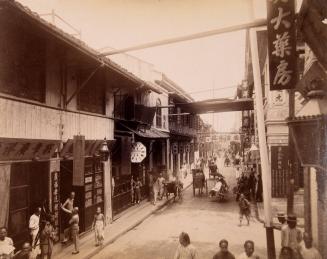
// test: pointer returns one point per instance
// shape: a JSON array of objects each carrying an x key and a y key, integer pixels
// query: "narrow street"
[{"x": 204, "y": 220}]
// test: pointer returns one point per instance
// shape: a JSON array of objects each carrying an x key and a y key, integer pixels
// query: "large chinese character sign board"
[
  {"x": 138, "y": 152},
  {"x": 281, "y": 44}
]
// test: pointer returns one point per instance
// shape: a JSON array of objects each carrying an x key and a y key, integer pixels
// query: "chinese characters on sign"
[
  {"x": 279, "y": 170},
  {"x": 281, "y": 44}
]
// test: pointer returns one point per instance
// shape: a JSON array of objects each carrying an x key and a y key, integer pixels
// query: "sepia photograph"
[{"x": 163, "y": 129}]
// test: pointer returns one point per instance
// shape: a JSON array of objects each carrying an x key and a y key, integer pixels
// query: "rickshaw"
[
  {"x": 199, "y": 181},
  {"x": 175, "y": 187}
]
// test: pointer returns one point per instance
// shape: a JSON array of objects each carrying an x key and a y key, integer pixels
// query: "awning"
[
  {"x": 149, "y": 133},
  {"x": 152, "y": 133}
]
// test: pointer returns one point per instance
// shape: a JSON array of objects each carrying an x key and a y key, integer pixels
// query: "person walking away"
[
  {"x": 308, "y": 251},
  {"x": 25, "y": 252},
  {"x": 248, "y": 251},
  {"x": 137, "y": 186},
  {"x": 155, "y": 187},
  {"x": 245, "y": 210},
  {"x": 74, "y": 221},
  {"x": 223, "y": 253},
  {"x": 291, "y": 236},
  {"x": 6, "y": 244},
  {"x": 98, "y": 225},
  {"x": 184, "y": 170},
  {"x": 68, "y": 207},
  {"x": 47, "y": 237},
  {"x": 185, "y": 249},
  {"x": 161, "y": 181}
]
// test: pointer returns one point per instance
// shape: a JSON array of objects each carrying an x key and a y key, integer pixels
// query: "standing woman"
[
  {"x": 74, "y": 221},
  {"x": 99, "y": 224}
]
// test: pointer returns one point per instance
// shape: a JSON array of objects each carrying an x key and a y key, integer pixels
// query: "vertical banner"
[
  {"x": 79, "y": 159},
  {"x": 281, "y": 44},
  {"x": 4, "y": 193}
]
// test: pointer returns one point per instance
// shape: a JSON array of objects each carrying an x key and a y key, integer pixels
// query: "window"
[
  {"x": 92, "y": 96},
  {"x": 158, "y": 114},
  {"x": 23, "y": 59}
]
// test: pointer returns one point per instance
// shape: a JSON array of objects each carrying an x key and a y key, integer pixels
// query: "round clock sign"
[{"x": 138, "y": 152}]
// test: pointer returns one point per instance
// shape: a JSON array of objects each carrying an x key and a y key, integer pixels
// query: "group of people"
[
  {"x": 248, "y": 183},
  {"x": 43, "y": 233},
  {"x": 186, "y": 250},
  {"x": 295, "y": 245}
]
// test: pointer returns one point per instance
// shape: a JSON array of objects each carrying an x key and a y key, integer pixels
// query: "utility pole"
[
  {"x": 290, "y": 192},
  {"x": 265, "y": 166}
]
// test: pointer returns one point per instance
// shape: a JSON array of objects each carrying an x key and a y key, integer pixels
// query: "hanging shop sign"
[
  {"x": 281, "y": 44},
  {"x": 279, "y": 170},
  {"x": 27, "y": 149},
  {"x": 138, "y": 152},
  {"x": 79, "y": 160}
]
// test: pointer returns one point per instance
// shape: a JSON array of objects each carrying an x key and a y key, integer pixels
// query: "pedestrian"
[
  {"x": 185, "y": 249},
  {"x": 245, "y": 209},
  {"x": 184, "y": 170},
  {"x": 286, "y": 253},
  {"x": 223, "y": 253},
  {"x": 74, "y": 229},
  {"x": 291, "y": 236},
  {"x": 47, "y": 237},
  {"x": 68, "y": 207},
  {"x": 155, "y": 188},
  {"x": 259, "y": 192},
  {"x": 308, "y": 251},
  {"x": 6, "y": 244},
  {"x": 133, "y": 191},
  {"x": 282, "y": 220},
  {"x": 248, "y": 251},
  {"x": 25, "y": 252},
  {"x": 137, "y": 190},
  {"x": 238, "y": 173},
  {"x": 34, "y": 226},
  {"x": 251, "y": 185},
  {"x": 161, "y": 181},
  {"x": 99, "y": 224}
]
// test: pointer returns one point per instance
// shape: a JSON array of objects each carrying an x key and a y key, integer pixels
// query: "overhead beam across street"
[
  {"x": 238, "y": 27},
  {"x": 217, "y": 105}
]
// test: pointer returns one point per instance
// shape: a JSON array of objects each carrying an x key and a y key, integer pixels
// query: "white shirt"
[
  {"x": 6, "y": 246},
  {"x": 311, "y": 253},
  {"x": 244, "y": 256},
  {"x": 34, "y": 222},
  {"x": 188, "y": 252}
]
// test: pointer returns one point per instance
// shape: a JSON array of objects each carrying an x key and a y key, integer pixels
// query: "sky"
[{"x": 201, "y": 67}]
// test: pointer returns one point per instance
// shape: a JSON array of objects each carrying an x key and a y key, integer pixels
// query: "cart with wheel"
[{"x": 199, "y": 181}]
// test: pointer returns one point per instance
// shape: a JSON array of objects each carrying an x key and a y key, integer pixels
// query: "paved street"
[{"x": 206, "y": 222}]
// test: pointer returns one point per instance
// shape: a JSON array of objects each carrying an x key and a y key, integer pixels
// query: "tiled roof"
[{"x": 73, "y": 41}]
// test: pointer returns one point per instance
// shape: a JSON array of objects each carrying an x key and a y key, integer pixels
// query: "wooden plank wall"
[{"x": 21, "y": 120}]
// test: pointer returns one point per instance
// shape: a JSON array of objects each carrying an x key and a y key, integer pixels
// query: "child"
[
  {"x": 137, "y": 187},
  {"x": 99, "y": 224}
]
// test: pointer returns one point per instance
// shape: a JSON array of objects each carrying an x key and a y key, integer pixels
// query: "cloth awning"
[{"x": 152, "y": 133}]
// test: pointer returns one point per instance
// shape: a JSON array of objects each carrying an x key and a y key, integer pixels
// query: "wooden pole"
[{"x": 265, "y": 166}]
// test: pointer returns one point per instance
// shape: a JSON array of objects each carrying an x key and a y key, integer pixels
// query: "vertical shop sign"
[
  {"x": 279, "y": 169},
  {"x": 55, "y": 202},
  {"x": 281, "y": 44},
  {"x": 79, "y": 160}
]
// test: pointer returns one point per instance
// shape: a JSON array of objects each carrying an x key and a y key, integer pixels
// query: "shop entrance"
[{"x": 28, "y": 190}]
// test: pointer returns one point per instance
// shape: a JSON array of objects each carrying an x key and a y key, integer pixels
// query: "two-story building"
[{"x": 57, "y": 111}]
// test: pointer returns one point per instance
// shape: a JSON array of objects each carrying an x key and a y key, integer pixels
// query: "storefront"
[{"x": 25, "y": 176}]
